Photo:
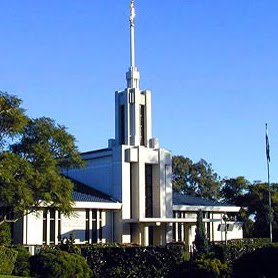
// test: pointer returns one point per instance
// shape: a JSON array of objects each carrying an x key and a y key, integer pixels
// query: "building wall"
[
  {"x": 98, "y": 172},
  {"x": 186, "y": 231},
  {"x": 31, "y": 230}
]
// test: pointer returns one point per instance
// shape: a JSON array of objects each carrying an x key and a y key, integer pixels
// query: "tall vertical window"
[
  {"x": 59, "y": 225},
  {"x": 51, "y": 230},
  {"x": 100, "y": 226},
  {"x": 142, "y": 125},
  {"x": 151, "y": 235},
  {"x": 52, "y": 226},
  {"x": 44, "y": 229},
  {"x": 131, "y": 183},
  {"x": 93, "y": 226},
  {"x": 148, "y": 190},
  {"x": 122, "y": 124}
]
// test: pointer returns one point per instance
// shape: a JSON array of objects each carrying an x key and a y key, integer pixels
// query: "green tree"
[
  {"x": 195, "y": 179},
  {"x": 234, "y": 190},
  {"x": 201, "y": 241},
  {"x": 31, "y": 162},
  {"x": 258, "y": 206},
  {"x": 12, "y": 118}
]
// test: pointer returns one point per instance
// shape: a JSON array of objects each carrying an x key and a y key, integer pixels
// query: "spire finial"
[
  {"x": 133, "y": 75},
  {"x": 132, "y": 13}
]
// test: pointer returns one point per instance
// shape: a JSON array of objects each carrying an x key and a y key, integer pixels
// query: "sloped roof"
[
  {"x": 85, "y": 193},
  {"x": 183, "y": 200}
]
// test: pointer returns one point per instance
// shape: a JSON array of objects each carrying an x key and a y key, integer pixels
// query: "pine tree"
[{"x": 201, "y": 241}]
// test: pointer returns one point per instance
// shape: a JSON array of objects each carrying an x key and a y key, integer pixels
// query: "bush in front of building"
[
  {"x": 259, "y": 263},
  {"x": 22, "y": 264},
  {"x": 5, "y": 234},
  {"x": 236, "y": 248},
  {"x": 68, "y": 245},
  {"x": 58, "y": 264},
  {"x": 129, "y": 261},
  {"x": 7, "y": 260},
  {"x": 201, "y": 268}
]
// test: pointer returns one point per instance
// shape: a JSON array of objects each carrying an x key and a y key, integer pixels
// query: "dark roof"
[
  {"x": 95, "y": 151},
  {"x": 183, "y": 200},
  {"x": 82, "y": 197},
  {"x": 85, "y": 193}
]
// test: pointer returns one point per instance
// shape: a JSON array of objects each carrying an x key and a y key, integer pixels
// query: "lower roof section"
[
  {"x": 85, "y": 196},
  {"x": 183, "y": 202}
]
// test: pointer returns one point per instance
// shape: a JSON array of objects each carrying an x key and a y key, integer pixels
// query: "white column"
[
  {"x": 146, "y": 236},
  {"x": 90, "y": 226},
  {"x": 103, "y": 224}
]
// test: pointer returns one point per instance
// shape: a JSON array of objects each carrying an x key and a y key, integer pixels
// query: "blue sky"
[{"x": 211, "y": 65}]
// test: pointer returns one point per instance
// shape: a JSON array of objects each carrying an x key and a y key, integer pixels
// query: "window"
[
  {"x": 142, "y": 125},
  {"x": 44, "y": 233},
  {"x": 52, "y": 226},
  {"x": 100, "y": 226},
  {"x": 51, "y": 231},
  {"x": 148, "y": 190},
  {"x": 122, "y": 124},
  {"x": 93, "y": 219}
]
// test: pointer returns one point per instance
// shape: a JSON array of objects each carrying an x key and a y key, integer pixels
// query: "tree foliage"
[
  {"x": 12, "y": 117},
  {"x": 195, "y": 179},
  {"x": 201, "y": 241},
  {"x": 234, "y": 190},
  {"x": 199, "y": 179},
  {"x": 30, "y": 164},
  {"x": 258, "y": 205}
]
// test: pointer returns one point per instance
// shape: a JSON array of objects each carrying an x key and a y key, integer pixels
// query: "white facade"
[{"x": 136, "y": 173}]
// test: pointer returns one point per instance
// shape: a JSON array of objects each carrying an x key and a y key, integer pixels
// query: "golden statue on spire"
[{"x": 132, "y": 13}]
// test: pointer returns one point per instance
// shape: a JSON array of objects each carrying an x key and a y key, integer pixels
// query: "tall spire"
[
  {"x": 132, "y": 42},
  {"x": 132, "y": 76}
]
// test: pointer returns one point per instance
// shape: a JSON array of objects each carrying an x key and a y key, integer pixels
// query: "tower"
[
  {"x": 133, "y": 106},
  {"x": 145, "y": 168}
]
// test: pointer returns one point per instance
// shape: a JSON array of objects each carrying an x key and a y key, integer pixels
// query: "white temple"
[{"x": 124, "y": 192}]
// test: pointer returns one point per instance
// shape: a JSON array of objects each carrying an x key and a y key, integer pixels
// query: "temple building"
[{"x": 124, "y": 192}]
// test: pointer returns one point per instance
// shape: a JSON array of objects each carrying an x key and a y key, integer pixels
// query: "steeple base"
[{"x": 132, "y": 78}]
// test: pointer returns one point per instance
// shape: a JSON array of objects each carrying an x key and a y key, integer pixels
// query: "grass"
[{"x": 11, "y": 276}]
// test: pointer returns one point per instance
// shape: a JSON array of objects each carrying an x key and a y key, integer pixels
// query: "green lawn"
[{"x": 11, "y": 276}]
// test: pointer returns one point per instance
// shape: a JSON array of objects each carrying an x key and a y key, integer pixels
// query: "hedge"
[
  {"x": 22, "y": 265},
  {"x": 129, "y": 261},
  {"x": 236, "y": 248},
  {"x": 259, "y": 263},
  {"x": 7, "y": 260},
  {"x": 58, "y": 264},
  {"x": 202, "y": 268}
]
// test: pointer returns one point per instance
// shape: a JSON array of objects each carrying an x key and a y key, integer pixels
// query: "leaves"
[
  {"x": 195, "y": 179},
  {"x": 234, "y": 190},
  {"x": 12, "y": 117},
  {"x": 201, "y": 241},
  {"x": 30, "y": 165}
]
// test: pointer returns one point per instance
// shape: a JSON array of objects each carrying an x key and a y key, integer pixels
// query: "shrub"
[
  {"x": 59, "y": 264},
  {"x": 131, "y": 261},
  {"x": 235, "y": 249},
  {"x": 5, "y": 234},
  {"x": 207, "y": 268},
  {"x": 68, "y": 245},
  {"x": 7, "y": 260},
  {"x": 259, "y": 263},
  {"x": 22, "y": 264},
  {"x": 201, "y": 241}
]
